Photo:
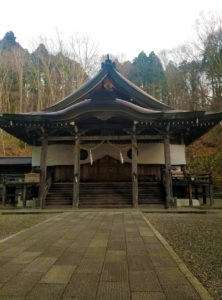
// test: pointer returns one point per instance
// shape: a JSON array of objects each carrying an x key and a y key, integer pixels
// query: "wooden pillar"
[
  {"x": 134, "y": 171},
  {"x": 24, "y": 195},
  {"x": 211, "y": 188},
  {"x": 204, "y": 194},
  {"x": 43, "y": 172},
  {"x": 190, "y": 191},
  {"x": 168, "y": 178},
  {"x": 196, "y": 192},
  {"x": 3, "y": 194},
  {"x": 76, "y": 178}
]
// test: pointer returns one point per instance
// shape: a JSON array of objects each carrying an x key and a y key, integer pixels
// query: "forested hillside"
[{"x": 188, "y": 77}]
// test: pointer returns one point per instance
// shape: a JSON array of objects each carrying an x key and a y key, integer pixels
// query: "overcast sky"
[{"x": 119, "y": 26}]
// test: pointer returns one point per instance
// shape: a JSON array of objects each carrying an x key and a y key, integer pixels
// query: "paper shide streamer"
[{"x": 90, "y": 157}]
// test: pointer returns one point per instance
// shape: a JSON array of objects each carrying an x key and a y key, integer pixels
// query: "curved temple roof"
[
  {"x": 115, "y": 107},
  {"x": 108, "y": 95},
  {"x": 109, "y": 71},
  {"x": 120, "y": 96}
]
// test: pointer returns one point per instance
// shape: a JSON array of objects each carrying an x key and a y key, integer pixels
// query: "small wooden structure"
[
  {"x": 13, "y": 183},
  {"x": 193, "y": 186},
  {"x": 108, "y": 144}
]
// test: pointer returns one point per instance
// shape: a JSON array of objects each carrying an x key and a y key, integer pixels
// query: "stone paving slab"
[
  {"x": 113, "y": 291},
  {"x": 11, "y": 298},
  {"x": 13, "y": 251},
  {"x": 40, "y": 264},
  {"x": 77, "y": 298},
  {"x": 115, "y": 255},
  {"x": 20, "y": 285},
  {"x": 90, "y": 256},
  {"x": 46, "y": 291},
  {"x": 88, "y": 266},
  {"x": 117, "y": 245},
  {"x": 26, "y": 257},
  {"x": 150, "y": 239},
  {"x": 96, "y": 252},
  {"x": 9, "y": 270},
  {"x": 98, "y": 243},
  {"x": 4, "y": 260},
  {"x": 58, "y": 274},
  {"x": 144, "y": 281},
  {"x": 181, "y": 292},
  {"x": 52, "y": 252},
  {"x": 171, "y": 276},
  {"x": 69, "y": 258},
  {"x": 139, "y": 263},
  {"x": 148, "y": 296},
  {"x": 115, "y": 271},
  {"x": 82, "y": 285}
]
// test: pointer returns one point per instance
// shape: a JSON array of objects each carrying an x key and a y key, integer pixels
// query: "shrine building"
[{"x": 109, "y": 144}]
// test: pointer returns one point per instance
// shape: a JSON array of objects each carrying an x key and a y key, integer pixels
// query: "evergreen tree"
[
  {"x": 139, "y": 71},
  {"x": 9, "y": 41},
  {"x": 155, "y": 72},
  {"x": 147, "y": 72}
]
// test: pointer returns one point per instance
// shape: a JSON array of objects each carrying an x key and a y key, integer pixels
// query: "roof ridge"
[{"x": 108, "y": 69}]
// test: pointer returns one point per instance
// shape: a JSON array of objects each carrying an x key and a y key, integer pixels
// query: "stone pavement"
[{"x": 90, "y": 255}]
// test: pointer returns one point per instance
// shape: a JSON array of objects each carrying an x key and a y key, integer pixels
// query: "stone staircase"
[
  {"x": 60, "y": 194},
  {"x": 151, "y": 193},
  {"x": 106, "y": 195}
]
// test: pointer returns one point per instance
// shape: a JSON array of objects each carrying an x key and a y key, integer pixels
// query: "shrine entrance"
[
  {"x": 63, "y": 174},
  {"x": 106, "y": 183},
  {"x": 106, "y": 169}
]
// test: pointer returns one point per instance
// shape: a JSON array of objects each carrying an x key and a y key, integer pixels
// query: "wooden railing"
[
  {"x": 11, "y": 178},
  {"x": 197, "y": 178},
  {"x": 47, "y": 185}
]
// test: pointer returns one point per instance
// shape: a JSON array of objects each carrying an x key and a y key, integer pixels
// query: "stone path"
[{"x": 90, "y": 256}]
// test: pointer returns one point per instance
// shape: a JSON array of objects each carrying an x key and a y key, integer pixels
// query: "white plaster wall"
[
  {"x": 177, "y": 154},
  {"x": 152, "y": 153}
]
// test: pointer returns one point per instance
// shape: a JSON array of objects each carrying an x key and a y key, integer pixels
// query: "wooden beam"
[
  {"x": 168, "y": 178},
  {"x": 76, "y": 179},
  {"x": 101, "y": 137},
  {"x": 24, "y": 195},
  {"x": 134, "y": 171},
  {"x": 61, "y": 138},
  {"x": 121, "y": 137},
  {"x": 43, "y": 172}
]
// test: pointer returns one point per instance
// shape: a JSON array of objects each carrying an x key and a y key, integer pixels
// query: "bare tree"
[
  {"x": 209, "y": 44},
  {"x": 85, "y": 53},
  {"x": 19, "y": 58}
]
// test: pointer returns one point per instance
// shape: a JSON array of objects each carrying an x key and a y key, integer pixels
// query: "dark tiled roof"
[{"x": 15, "y": 160}]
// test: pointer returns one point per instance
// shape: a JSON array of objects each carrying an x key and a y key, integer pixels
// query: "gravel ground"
[
  {"x": 10, "y": 224},
  {"x": 197, "y": 239}
]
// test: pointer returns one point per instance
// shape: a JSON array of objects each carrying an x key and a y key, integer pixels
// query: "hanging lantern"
[
  {"x": 121, "y": 157},
  {"x": 90, "y": 157}
]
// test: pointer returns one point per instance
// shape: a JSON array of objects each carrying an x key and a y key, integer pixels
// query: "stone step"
[
  {"x": 105, "y": 206},
  {"x": 103, "y": 194}
]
